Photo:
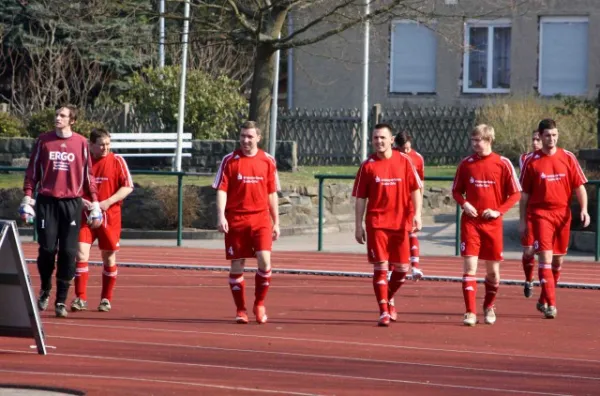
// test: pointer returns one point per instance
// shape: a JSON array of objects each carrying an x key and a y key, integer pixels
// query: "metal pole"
[
  {"x": 161, "y": 34},
  {"x": 179, "y": 209},
  {"x": 320, "y": 229},
  {"x": 457, "y": 234},
  {"x": 597, "y": 222},
  {"x": 365, "y": 105},
  {"x": 290, "y": 66},
  {"x": 273, "y": 126},
  {"x": 181, "y": 112}
]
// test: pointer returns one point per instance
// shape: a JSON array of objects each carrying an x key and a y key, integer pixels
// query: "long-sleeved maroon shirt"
[{"x": 62, "y": 167}]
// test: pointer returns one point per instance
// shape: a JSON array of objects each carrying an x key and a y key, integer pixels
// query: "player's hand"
[
  {"x": 470, "y": 210},
  {"x": 95, "y": 216},
  {"x": 490, "y": 214},
  {"x": 417, "y": 274},
  {"x": 585, "y": 218},
  {"x": 417, "y": 223},
  {"x": 104, "y": 205},
  {"x": 26, "y": 211},
  {"x": 223, "y": 225},
  {"x": 87, "y": 205},
  {"x": 359, "y": 235},
  {"x": 276, "y": 232}
]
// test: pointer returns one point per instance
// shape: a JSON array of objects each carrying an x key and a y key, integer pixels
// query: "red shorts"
[
  {"x": 387, "y": 245},
  {"x": 481, "y": 238},
  {"x": 108, "y": 234},
  {"x": 551, "y": 230},
  {"x": 527, "y": 238},
  {"x": 248, "y": 234}
]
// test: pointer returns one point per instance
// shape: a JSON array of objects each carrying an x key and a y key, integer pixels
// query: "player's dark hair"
[
  {"x": 402, "y": 138},
  {"x": 98, "y": 133},
  {"x": 547, "y": 123},
  {"x": 250, "y": 125},
  {"x": 383, "y": 125},
  {"x": 72, "y": 111}
]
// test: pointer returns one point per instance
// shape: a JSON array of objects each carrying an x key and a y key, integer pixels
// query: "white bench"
[{"x": 158, "y": 144}]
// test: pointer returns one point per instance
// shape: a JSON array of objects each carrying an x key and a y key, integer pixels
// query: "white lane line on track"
[
  {"x": 528, "y": 374},
  {"x": 112, "y": 378},
  {"x": 325, "y": 341},
  {"x": 295, "y": 373}
]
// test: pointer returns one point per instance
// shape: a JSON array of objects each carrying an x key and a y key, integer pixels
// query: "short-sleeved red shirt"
[
  {"x": 110, "y": 173},
  {"x": 418, "y": 162},
  {"x": 486, "y": 182},
  {"x": 387, "y": 185},
  {"x": 248, "y": 181},
  {"x": 550, "y": 179}
]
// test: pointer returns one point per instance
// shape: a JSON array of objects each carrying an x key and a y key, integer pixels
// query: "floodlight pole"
[
  {"x": 365, "y": 104},
  {"x": 181, "y": 112}
]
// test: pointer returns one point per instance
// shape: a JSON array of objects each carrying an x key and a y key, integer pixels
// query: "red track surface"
[{"x": 172, "y": 332}]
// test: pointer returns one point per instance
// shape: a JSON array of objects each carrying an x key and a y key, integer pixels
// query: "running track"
[{"x": 171, "y": 332}]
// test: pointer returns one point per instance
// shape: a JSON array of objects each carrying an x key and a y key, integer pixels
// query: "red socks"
[
  {"x": 109, "y": 279},
  {"x": 528, "y": 267},
  {"x": 81, "y": 280},
  {"x": 380, "y": 286},
  {"x": 556, "y": 273},
  {"x": 491, "y": 289},
  {"x": 469, "y": 285},
  {"x": 262, "y": 281},
  {"x": 396, "y": 281},
  {"x": 548, "y": 283},
  {"x": 238, "y": 290}
]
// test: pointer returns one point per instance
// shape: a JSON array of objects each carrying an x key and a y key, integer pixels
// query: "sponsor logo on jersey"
[
  {"x": 249, "y": 179},
  {"x": 481, "y": 183},
  {"x": 552, "y": 177},
  {"x": 61, "y": 160},
  {"x": 388, "y": 181}
]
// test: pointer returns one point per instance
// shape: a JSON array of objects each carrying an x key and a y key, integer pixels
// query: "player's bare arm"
[
  {"x": 222, "y": 224},
  {"x": 523, "y": 212},
  {"x": 417, "y": 201},
  {"x": 274, "y": 211},
  {"x": 120, "y": 195},
  {"x": 582, "y": 198},
  {"x": 359, "y": 214}
]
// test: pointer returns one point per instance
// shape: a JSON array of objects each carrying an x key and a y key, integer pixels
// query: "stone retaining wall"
[
  {"x": 206, "y": 155},
  {"x": 155, "y": 208}
]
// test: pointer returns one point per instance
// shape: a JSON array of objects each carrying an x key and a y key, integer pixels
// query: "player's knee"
[
  {"x": 109, "y": 258},
  {"x": 46, "y": 255},
  {"x": 237, "y": 266}
]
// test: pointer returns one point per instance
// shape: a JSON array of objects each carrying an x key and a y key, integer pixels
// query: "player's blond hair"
[{"x": 485, "y": 132}]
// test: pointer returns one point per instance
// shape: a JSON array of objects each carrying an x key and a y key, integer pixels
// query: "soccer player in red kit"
[
  {"x": 528, "y": 258},
  {"x": 403, "y": 142},
  {"x": 114, "y": 185},
  {"x": 248, "y": 213},
  {"x": 385, "y": 186},
  {"x": 550, "y": 175},
  {"x": 486, "y": 187},
  {"x": 60, "y": 169}
]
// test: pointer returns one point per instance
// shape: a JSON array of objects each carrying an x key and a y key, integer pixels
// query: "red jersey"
[
  {"x": 248, "y": 181},
  {"x": 487, "y": 182},
  {"x": 550, "y": 179},
  {"x": 522, "y": 160},
  {"x": 387, "y": 185},
  {"x": 111, "y": 173},
  {"x": 62, "y": 167},
  {"x": 418, "y": 163}
]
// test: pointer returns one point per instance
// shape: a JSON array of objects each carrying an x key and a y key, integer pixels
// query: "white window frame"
[
  {"x": 408, "y": 21},
  {"x": 490, "y": 24},
  {"x": 557, "y": 19}
]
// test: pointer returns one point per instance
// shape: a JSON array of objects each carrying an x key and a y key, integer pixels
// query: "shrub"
[
  {"x": 44, "y": 121},
  {"x": 515, "y": 118},
  {"x": 167, "y": 196},
  {"x": 10, "y": 126},
  {"x": 213, "y": 107}
]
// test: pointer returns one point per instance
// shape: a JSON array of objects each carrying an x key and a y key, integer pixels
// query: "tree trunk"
[{"x": 262, "y": 87}]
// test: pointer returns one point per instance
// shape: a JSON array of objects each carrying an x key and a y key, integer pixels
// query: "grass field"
[{"x": 305, "y": 176}]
